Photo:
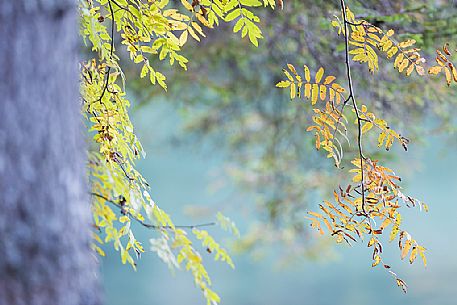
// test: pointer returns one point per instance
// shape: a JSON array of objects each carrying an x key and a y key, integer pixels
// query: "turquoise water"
[{"x": 179, "y": 176}]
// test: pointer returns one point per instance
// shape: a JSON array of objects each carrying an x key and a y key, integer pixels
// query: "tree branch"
[
  {"x": 121, "y": 205},
  {"x": 354, "y": 103}
]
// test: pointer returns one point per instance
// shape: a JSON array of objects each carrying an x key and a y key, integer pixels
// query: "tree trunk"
[{"x": 45, "y": 255}]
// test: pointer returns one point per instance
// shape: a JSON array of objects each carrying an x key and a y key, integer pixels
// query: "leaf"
[
  {"x": 329, "y": 79},
  {"x": 447, "y": 72},
  {"x": 390, "y": 33},
  {"x": 406, "y": 248},
  {"x": 283, "y": 84},
  {"x": 307, "y": 73},
  {"x": 144, "y": 71},
  {"x": 292, "y": 69},
  {"x": 394, "y": 232},
  {"x": 314, "y": 93},
  {"x": 238, "y": 25},
  {"x": 409, "y": 70},
  {"x": 435, "y": 70},
  {"x": 385, "y": 223},
  {"x": 402, "y": 285},
  {"x": 371, "y": 242},
  {"x": 319, "y": 75},
  {"x": 317, "y": 215},
  {"x": 413, "y": 255},
  {"x": 454, "y": 71},
  {"x": 293, "y": 91},
  {"x": 183, "y": 38},
  {"x": 446, "y": 49},
  {"x": 407, "y": 43},
  {"x": 376, "y": 260},
  {"x": 232, "y": 15},
  {"x": 322, "y": 92},
  {"x": 366, "y": 127},
  {"x": 422, "y": 255}
]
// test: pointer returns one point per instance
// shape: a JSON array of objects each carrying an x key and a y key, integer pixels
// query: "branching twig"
[{"x": 352, "y": 97}]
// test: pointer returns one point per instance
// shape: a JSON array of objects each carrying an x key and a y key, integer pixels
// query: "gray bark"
[{"x": 45, "y": 255}]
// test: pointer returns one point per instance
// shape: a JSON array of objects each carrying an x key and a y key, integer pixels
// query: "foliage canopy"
[{"x": 158, "y": 30}]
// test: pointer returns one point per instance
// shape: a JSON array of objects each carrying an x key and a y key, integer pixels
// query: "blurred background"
[{"x": 225, "y": 139}]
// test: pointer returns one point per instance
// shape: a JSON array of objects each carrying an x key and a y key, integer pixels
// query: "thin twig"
[
  {"x": 147, "y": 225},
  {"x": 352, "y": 97},
  {"x": 111, "y": 52}
]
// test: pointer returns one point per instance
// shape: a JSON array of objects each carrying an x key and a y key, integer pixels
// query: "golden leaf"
[
  {"x": 413, "y": 255},
  {"x": 319, "y": 75},
  {"x": 406, "y": 248},
  {"x": 447, "y": 72},
  {"x": 329, "y": 79},
  {"x": 292, "y": 69},
  {"x": 435, "y": 70},
  {"x": 307, "y": 73},
  {"x": 376, "y": 261}
]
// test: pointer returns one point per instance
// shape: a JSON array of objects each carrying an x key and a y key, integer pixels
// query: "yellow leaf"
[
  {"x": 198, "y": 28},
  {"x": 319, "y": 75},
  {"x": 187, "y": 5},
  {"x": 406, "y": 43},
  {"x": 406, "y": 248},
  {"x": 339, "y": 238},
  {"x": 314, "y": 94},
  {"x": 366, "y": 127},
  {"x": 124, "y": 255},
  {"x": 293, "y": 90},
  {"x": 381, "y": 138},
  {"x": 144, "y": 71},
  {"x": 385, "y": 223},
  {"x": 454, "y": 71},
  {"x": 292, "y": 69},
  {"x": 435, "y": 70},
  {"x": 322, "y": 92},
  {"x": 123, "y": 219},
  {"x": 99, "y": 250},
  {"x": 357, "y": 178},
  {"x": 398, "y": 60},
  {"x": 317, "y": 215},
  {"x": 376, "y": 261},
  {"x": 283, "y": 84},
  {"x": 307, "y": 73},
  {"x": 446, "y": 49},
  {"x": 394, "y": 232},
  {"x": 308, "y": 90},
  {"x": 422, "y": 255},
  {"x": 183, "y": 38},
  {"x": 448, "y": 76},
  {"x": 402, "y": 285},
  {"x": 193, "y": 34},
  {"x": 403, "y": 65},
  {"x": 329, "y": 79},
  {"x": 410, "y": 70},
  {"x": 329, "y": 226},
  {"x": 372, "y": 242},
  {"x": 413, "y": 255}
]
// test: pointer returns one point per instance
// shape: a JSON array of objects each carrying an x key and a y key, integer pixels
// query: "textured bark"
[{"x": 45, "y": 257}]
